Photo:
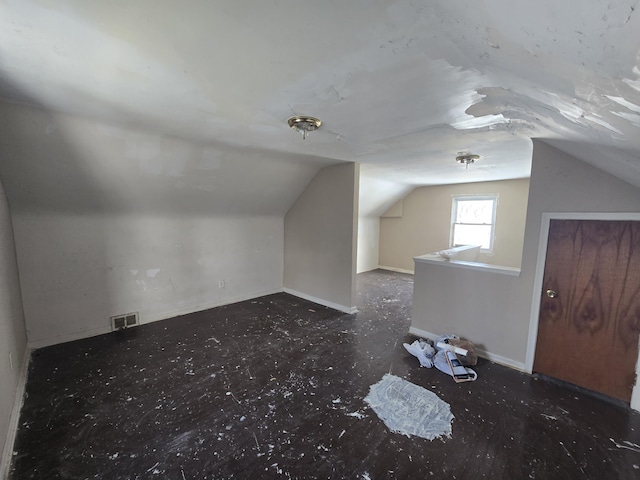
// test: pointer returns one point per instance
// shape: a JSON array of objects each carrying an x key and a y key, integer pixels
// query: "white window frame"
[{"x": 454, "y": 212}]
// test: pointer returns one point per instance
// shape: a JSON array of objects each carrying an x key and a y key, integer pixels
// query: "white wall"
[
  {"x": 56, "y": 163},
  {"x": 495, "y": 310},
  {"x": 320, "y": 239},
  {"x": 450, "y": 299},
  {"x": 375, "y": 196},
  {"x": 368, "y": 243},
  {"x": 78, "y": 270},
  {"x": 12, "y": 333},
  {"x": 110, "y": 220}
]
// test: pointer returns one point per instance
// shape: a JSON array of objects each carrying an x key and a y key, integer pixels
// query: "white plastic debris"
[{"x": 423, "y": 351}]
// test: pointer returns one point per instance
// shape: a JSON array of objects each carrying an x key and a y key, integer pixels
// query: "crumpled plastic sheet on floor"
[
  {"x": 409, "y": 409},
  {"x": 423, "y": 351}
]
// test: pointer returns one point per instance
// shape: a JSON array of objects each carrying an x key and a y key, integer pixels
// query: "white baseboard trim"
[
  {"x": 156, "y": 317},
  {"x": 200, "y": 308},
  {"x": 367, "y": 269},
  {"x": 422, "y": 333},
  {"x": 7, "y": 454},
  {"x": 492, "y": 357},
  {"x": 320, "y": 301},
  {"x": 507, "y": 362},
  {"x": 635, "y": 396},
  {"x": 69, "y": 337},
  {"x": 394, "y": 269}
]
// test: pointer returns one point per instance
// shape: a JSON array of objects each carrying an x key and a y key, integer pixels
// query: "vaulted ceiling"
[{"x": 401, "y": 86}]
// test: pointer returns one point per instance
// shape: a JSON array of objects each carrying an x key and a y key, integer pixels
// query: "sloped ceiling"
[{"x": 401, "y": 86}]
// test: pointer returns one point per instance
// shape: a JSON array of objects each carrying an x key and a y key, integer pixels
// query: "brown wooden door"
[{"x": 588, "y": 332}]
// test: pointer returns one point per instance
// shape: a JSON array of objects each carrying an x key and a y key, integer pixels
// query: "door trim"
[{"x": 539, "y": 278}]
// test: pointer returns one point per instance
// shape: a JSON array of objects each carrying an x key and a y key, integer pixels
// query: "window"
[{"x": 472, "y": 221}]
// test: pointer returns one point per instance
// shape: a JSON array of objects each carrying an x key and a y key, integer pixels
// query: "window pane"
[
  {"x": 472, "y": 235},
  {"x": 474, "y": 211}
]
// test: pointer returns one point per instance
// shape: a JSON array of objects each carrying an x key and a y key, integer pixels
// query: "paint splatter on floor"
[{"x": 262, "y": 400}]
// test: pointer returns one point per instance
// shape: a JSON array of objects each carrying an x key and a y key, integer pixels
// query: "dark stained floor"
[{"x": 274, "y": 388}]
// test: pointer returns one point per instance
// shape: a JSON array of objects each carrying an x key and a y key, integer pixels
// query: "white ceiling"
[{"x": 401, "y": 86}]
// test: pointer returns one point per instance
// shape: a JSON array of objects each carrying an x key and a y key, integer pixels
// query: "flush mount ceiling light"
[
  {"x": 467, "y": 159},
  {"x": 304, "y": 124}
]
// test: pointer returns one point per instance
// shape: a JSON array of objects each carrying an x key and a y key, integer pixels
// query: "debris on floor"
[
  {"x": 423, "y": 351},
  {"x": 450, "y": 355},
  {"x": 409, "y": 409}
]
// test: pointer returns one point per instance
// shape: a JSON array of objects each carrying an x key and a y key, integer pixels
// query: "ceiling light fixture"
[
  {"x": 304, "y": 124},
  {"x": 467, "y": 159}
]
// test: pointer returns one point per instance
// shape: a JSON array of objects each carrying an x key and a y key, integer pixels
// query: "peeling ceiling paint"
[{"x": 401, "y": 86}]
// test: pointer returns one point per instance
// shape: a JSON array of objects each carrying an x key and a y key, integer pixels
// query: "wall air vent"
[{"x": 120, "y": 322}]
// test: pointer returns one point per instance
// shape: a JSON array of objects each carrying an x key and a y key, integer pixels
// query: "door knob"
[{"x": 551, "y": 293}]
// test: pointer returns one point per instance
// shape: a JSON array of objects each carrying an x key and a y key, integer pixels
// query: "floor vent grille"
[{"x": 120, "y": 322}]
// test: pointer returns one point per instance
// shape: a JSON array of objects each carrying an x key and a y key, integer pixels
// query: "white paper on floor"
[{"x": 409, "y": 409}]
